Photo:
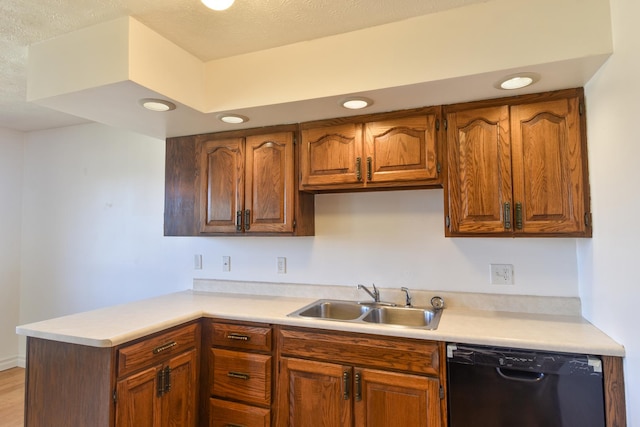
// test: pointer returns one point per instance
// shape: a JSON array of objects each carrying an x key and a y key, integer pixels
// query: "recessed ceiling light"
[
  {"x": 517, "y": 81},
  {"x": 233, "y": 118},
  {"x": 218, "y": 4},
  {"x": 356, "y": 102},
  {"x": 157, "y": 104}
]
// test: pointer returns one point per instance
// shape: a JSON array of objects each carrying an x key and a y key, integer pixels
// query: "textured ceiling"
[{"x": 249, "y": 25}]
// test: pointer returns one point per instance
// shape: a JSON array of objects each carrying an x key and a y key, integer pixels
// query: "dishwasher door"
[{"x": 501, "y": 387}]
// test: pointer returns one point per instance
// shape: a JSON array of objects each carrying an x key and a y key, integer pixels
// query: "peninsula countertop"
[{"x": 112, "y": 326}]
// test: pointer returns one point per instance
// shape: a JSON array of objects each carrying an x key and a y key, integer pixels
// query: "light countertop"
[{"x": 116, "y": 325}]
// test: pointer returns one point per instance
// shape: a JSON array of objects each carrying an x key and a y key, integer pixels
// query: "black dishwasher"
[{"x": 504, "y": 387}]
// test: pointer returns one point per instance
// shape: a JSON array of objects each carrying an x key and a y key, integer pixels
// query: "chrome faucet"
[
  {"x": 408, "y": 297},
  {"x": 375, "y": 294}
]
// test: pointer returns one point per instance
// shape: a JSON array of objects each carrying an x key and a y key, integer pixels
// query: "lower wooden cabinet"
[
  {"x": 388, "y": 383},
  {"x": 164, "y": 392},
  {"x": 163, "y": 395}
]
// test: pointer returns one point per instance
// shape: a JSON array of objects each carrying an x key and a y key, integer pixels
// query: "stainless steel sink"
[
  {"x": 404, "y": 316},
  {"x": 333, "y": 310},
  {"x": 376, "y": 313}
]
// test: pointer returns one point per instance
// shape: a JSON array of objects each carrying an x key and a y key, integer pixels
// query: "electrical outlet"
[
  {"x": 281, "y": 265},
  {"x": 226, "y": 263},
  {"x": 197, "y": 262},
  {"x": 501, "y": 274}
]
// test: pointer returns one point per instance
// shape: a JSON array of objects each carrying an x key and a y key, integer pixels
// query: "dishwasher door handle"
[{"x": 513, "y": 375}]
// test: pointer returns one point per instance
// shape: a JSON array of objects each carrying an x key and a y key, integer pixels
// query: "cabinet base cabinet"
[{"x": 231, "y": 414}]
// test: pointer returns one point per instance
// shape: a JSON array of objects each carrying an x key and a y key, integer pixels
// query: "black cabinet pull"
[
  {"x": 358, "y": 168},
  {"x": 346, "y": 379},
  {"x": 358, "y": 378},
  {"x": 238, "y": 220},
  {"x": 247, "y": 219},
  {"x": 519, "y": 216},
  {"x": 507, "y": 215},
  {"x": 369, "y": 171}
]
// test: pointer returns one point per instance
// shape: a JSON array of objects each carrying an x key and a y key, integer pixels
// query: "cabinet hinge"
[
  {"x": 437, "y": 124},
  {"x": 115, "y": 396},
  {"x": 580, "y": 108},
  {"x": 441, "y": 393},
  {"x": 294, "y": 224},
  {"x": 447, "y": 221},
  {"x": 446, "y": 124},
  {"x": 438, "y": 167},
  {"x": 587, "y": 219}
]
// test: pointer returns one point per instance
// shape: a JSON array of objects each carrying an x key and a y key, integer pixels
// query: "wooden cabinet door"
[
  {"x": 550, "y": 183},
  {"x": 138, "y": 403},
  {"x": 387, "y": 399},
  {"x": 221, "y": 169},
  {"x": 331, "y": 156},
  {"x": 401, "y": 149},
  {"x": 269, "y": 183},
  {"x": 180, "y": 403},
  {"x": 315, "y": 394},
  {"x": 479, "y": 172}
]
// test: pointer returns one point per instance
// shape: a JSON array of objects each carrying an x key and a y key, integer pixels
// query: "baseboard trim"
[{"x": 12, "y": 362}]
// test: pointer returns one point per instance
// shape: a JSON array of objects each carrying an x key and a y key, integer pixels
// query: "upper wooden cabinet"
[
  {"x": 518, "y": 167},
  {"x": 236, "y": 183},
  {"x": 393, "y": 150}
]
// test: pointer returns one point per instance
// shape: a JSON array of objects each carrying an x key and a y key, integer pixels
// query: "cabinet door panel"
[
  {"x": 269, "y": 182},
  {"x": 548, "y": 176},
  {"x": 221, "y": 184},
  {"x": 314, "y": 394},
  {"x": 329, "y": 155},
  {"x": 401, "y": 150},
  {"x": 387, "y": 399},
  {"x": 479, "y": 170},
  {"x": 138, "y": 404},
  {"x": 179, "y": 406}
]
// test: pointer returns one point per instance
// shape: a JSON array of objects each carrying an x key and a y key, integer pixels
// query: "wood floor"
[{"x": 12, "y": 397}]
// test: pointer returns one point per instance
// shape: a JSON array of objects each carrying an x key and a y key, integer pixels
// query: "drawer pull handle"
[
  {"x": 238, "y": 375},
  {"x": 358, "y": 395},
  {"x": 238, "y": 337},
  {"x": 164, "y": 347},
  {"x": 234, "y": 425}
]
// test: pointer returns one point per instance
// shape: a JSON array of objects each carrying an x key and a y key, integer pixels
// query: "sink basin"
[
  {"x": 373, "y": 313},
  {"x": 336, "y": 310},
  {"x": 404, "y": 316}
]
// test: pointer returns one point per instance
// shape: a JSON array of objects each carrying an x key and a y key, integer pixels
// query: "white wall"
[
  {"x": 609, "y": 278},
  {"x": 11, "y": 160},
  {"x": 93, "y": 215}
]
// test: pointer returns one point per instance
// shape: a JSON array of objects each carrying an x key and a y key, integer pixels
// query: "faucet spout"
[
  {"x": 408, "y": 297},
  {"x": 375, "y": 294}
]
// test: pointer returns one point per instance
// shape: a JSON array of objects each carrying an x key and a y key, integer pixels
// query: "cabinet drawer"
[
  {"x": 243, "y": 337},
  {"x": 157, "y": 348},
  {"x": 227, "y": 414},
  {"x": 241, "y": 376}
]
